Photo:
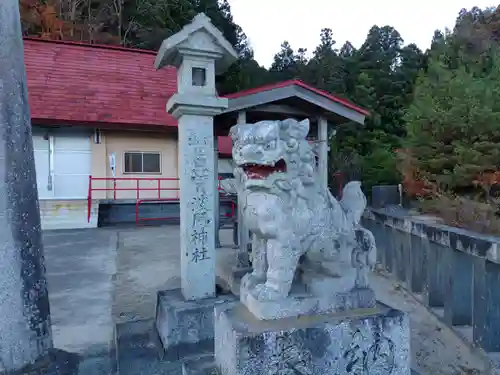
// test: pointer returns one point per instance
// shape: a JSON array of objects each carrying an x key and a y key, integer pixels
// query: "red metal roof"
[
  {"x": 74, "y": 82},
  {"x": 296, "y": 82},
  {"x": 77, "y": 83}
]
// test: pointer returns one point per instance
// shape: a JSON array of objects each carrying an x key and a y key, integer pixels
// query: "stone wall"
[{"x": 454, "y": 272}]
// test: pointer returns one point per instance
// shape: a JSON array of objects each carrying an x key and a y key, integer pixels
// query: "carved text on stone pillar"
[{"x": 199, "y": 204}]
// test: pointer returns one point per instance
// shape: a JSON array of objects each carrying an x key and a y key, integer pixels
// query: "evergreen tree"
[
  {"x": 287, "y": 64},
  {"x": 454, "y": 125}
]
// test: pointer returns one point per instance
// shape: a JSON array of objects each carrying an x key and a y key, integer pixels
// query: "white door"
[
  {"x": 72, "y": 166},
  {"x": 41, "y": 149}
]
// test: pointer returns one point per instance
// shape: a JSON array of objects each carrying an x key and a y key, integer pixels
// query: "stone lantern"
[{"x": 199, "y": 51}]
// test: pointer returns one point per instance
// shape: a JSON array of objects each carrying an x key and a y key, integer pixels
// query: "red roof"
[
  {"x": 296, "y": 82},
  {"x": 74, "y": 82},
  {"x": 77, "y": 83}
]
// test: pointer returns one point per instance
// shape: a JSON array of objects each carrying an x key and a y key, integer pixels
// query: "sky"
[{"x": 267, "y": 23}]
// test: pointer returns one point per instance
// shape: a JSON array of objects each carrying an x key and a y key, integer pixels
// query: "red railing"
[
  {"x": 138, "y": 219},
  {"x": 137, "y": 188}
]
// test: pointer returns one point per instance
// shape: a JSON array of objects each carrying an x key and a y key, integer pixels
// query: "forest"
[{"x": 435, "y": 114}]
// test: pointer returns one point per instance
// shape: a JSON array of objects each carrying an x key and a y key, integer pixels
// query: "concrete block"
[
  {"x": 486, "y": 316},
  {"x": 56, "y": 362},
  {"x": 400, "y": 245},
  {"x": 389, "y": 248},
  {"x": 371, "y": 341},
  {"x": 458, "y": 296},
  {"x": 181, "y": 322},
  {"x": 435, "y": 286},
  {"x": 417, "y": 267}
]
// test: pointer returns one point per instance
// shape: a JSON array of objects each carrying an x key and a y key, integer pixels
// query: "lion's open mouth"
[{"x": 260, "y": 172}]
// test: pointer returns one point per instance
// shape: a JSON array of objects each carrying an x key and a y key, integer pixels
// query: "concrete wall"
[
  {"x": 119, "y": 142},
  {"x": 455, "y": 272},
  {"x": 67, "y": 214}
]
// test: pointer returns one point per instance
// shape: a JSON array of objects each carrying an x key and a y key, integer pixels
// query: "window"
[
  {"x": 199, "y": 77},
  {"x": 142, "y": 162}
]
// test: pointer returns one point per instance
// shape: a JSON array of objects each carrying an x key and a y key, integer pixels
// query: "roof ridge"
[
  {"x": 297, "y": 82},
  {"x": 90, "y": 45}
]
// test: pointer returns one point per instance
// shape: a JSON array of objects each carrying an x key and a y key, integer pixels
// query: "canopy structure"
[{"x": 292, "y": 98}]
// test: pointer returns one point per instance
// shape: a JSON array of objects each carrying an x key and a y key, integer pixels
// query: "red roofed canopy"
[{"x": 279, "y": 92}]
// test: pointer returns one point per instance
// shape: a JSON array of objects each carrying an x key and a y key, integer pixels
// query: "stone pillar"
[
  {"x": 194, "y": 51},
  {"x": 243, "y": 233},
  {"x": 216, "y": 195},
  {"x": 323, "y": 151},
  {"x": 25, "y": 327},
  {"x": 196, "y": 144}
]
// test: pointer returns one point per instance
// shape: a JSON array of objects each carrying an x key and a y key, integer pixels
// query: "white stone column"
[
  {"x": 323, "y": 151},
  {"x": 243, "y": 233},
  {"x": 216, "y": 195},
  {"x": 197, "y": 227}
]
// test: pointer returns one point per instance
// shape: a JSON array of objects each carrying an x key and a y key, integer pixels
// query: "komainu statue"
[{"x": 296, "y": 225}]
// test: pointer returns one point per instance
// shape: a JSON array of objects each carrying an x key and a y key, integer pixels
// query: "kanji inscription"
[{"x": 199, "y": 204}]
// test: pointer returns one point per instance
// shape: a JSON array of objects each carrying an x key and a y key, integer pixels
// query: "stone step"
[
  {"x": 139, "y": 351},
  {"x": 203, "y": 365}
]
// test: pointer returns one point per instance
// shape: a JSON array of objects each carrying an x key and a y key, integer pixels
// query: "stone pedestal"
[
  {"x": 374, "y": 341},
  {"x": 55, "y": 362},
  {"x": 301, "y": 302},
  {"x": 186, "y": 326}
]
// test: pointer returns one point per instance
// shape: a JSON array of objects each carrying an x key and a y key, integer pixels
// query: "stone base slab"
[
  {"x": 301, "y": 302},
  {"x": 56, "y": 362},
  {"x": 181, "y": 322},
  {"x": 370, "y": 341}
]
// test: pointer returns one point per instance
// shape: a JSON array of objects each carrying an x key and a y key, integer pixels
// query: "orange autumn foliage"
[
  {"x": 414, "y": 183},
  {"x": 42, "y": 19}
]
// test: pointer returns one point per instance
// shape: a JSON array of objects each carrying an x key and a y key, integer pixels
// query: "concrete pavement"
[{"x": 102, "y": 277}]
